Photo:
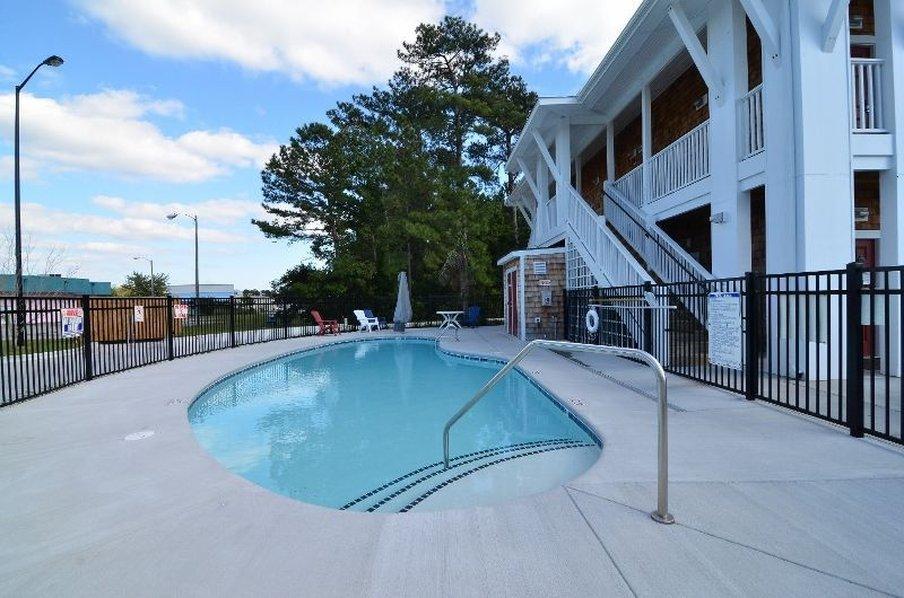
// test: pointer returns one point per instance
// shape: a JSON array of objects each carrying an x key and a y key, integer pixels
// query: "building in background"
[
  {"x": 717, "y": 138},
  {"x": 54, "y": 285},
  {"x": 206, "y": 291}
]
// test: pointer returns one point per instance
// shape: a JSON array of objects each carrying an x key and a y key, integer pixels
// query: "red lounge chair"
[{"x": 326, "y": 326}]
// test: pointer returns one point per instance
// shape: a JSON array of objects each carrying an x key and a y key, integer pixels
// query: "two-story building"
[{"x": 718, "y": 137}]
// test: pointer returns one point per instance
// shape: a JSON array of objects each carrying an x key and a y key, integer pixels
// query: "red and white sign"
[
  {"x": 180, "y": 311},
  {"x": 73, "y": 321},
  {"x": 139, "y": 313}
]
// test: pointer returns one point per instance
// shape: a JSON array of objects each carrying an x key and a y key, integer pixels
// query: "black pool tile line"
[
  {"x": 438, "y": 463},
  {"x": 464, "y": 474},
  {"x": 567, "y": 443}
]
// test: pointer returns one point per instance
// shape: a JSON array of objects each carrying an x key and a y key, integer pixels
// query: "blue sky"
[{"x": 175, "y": 104}]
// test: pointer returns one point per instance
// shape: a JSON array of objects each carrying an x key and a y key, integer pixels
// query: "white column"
[
  {"x": 563, "y": 165},
  {"x": 542, "y": 181},
  {"x": 646, "y": 126},
  {"x": 824, "y": 187},
  {"x": 778, "y": 123},
  {"x": 890, "y": 46},
  {"x": 727, "y": 52},
  {"x": 610, "y": 150}
]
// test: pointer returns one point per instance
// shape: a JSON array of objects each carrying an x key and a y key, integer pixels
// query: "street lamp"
[
  {"x": 194, "y": 217},
  {"x": 53, "y": 61},
  {"x": 151, "y": 262}
]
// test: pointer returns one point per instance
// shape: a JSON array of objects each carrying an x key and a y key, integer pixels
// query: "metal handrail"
[{"x": 661, "y": 514}]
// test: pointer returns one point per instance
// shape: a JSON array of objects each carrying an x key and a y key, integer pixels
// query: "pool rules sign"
[{"x": 726, "y": 343}]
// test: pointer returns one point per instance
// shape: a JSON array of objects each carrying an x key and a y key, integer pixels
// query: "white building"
[{"x": 740, "y": 135}]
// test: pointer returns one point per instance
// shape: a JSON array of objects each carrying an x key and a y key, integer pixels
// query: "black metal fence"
[
  {"x": 829, "y": 344},
  {"x": 41, "y": 350}
]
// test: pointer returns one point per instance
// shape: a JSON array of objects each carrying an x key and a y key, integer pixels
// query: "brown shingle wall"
[
  {"x": 754, "y": 57},
  {"x": 552, "y": 323},
  {"x": 626, "y": 141},
  {"x": 593, "y": 173},
  {"x": 866, "y": 195},
  {"x": 865, "y": 9},
  {"x": 673, "y": 110}
]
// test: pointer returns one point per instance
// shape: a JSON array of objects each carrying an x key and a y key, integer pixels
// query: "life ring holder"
[{"x": 592, "y": 320}]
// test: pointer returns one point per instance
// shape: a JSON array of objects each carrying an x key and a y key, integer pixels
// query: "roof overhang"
[{"x": 647, "y": 44}]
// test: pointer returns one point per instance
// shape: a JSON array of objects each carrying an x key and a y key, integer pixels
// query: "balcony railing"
[
  {"x": 866, "y": 95},
  {"x": 631, "y": 186},
  {"x": 750, "y": 123},
  {"x": 683, "y": 163}
]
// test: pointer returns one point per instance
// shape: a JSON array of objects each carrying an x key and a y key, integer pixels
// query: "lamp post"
[
  {"x": 194, "y": 217},
  {"x": 151, "y": 262},
  {"x": 53, "y": 61}
]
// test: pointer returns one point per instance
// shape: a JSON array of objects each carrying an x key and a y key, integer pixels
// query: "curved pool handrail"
[{"x": 661, "y": 514}]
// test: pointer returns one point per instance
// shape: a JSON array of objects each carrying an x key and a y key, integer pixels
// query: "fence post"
[
  {"x": 751, "y": 337},
  {"x": 854, "y": 348},
  {"x": 566, "y": 320},
  {"x": 170, "y": 327},
  {"x": 86, "y": 337},
  {"x": 285, "y": 319},
  {"x": 648, "y": 321},
  {"x": 232, "y": 321}
]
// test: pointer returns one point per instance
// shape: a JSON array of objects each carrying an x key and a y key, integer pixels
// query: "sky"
[{"x": 175, "y": 105}]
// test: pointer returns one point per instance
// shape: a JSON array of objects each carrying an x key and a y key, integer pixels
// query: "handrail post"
[{"x": 661, "y": 514}]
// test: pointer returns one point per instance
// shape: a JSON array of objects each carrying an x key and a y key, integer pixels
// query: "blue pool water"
[{"x": 332, "y": 425}]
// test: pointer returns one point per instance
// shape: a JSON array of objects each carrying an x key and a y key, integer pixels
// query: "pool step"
[{"x": 405, "y": 492}]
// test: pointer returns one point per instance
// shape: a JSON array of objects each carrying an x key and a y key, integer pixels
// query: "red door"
[
  {"x": 866, "y": 255},
  {"x": 511, "y": 283}
]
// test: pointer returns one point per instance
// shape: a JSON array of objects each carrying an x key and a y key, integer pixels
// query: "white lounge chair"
[{"x": 365, "y": 323}]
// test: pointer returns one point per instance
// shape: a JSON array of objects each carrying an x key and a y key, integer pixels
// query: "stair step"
[{"x": 407, "y": 490}]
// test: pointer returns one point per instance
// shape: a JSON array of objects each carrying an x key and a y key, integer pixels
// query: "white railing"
[
  {"x": 682, "y": 163},
  {"x": 604, "y": 254},
  {"x": 631, "y": 186},
  {"x": 750, "y": 123},
  {"x": 866, "y": 95},
  {"x": 662, "y": 254},
  {"x": 552, "y": 216}
]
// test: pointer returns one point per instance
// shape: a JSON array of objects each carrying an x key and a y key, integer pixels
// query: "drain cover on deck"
[{"x": 140, "y": 435}]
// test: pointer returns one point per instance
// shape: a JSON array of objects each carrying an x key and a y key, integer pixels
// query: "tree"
[
  {"x": 141, "y": 285},
  {"x": 406, "y": 177}
]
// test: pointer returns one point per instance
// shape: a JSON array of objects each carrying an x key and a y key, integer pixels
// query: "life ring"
[{"x": 592, "y": 321}]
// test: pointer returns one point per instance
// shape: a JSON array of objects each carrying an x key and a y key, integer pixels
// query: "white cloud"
[
  {"x": 39, "y": 219},
  {"x": 333, "y": 42},
  {"x": 576, "y": 33},
  {"x": 27, "y": 168},
  {"x": 6, "y": 73},
  {"x": 109, "y": 132},
  {"x": 216, "y": 211}
]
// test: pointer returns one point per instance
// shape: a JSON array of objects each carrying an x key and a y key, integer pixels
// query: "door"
[
  {"x": 511, "y": 302},
  {"x": 866, "y": 255}
]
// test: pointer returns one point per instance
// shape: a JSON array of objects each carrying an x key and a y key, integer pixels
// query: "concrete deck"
[{"x": 767, "y": 502}]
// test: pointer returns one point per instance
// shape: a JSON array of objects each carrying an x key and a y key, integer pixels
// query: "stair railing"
[{"x": 661, "y": 514}]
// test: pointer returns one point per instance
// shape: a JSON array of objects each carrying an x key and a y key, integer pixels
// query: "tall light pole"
[
  {"x": 20, "y": 299},
  {"x": 194, "y": 217},
  {"x": 151, "y": 262}
]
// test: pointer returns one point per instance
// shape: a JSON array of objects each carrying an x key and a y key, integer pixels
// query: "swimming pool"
[{"x": 358, "y": 426}]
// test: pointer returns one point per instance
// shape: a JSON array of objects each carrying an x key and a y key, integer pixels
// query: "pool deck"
[{"x": 766, "y": 502}]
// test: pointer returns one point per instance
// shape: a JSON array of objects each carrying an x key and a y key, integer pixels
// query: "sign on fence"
[
  {"x": 180, "y": 311},
  {"x": 73, "y": 322},
  {"x": 139, "y": 313},
  {"x": 726, "y": 340}
]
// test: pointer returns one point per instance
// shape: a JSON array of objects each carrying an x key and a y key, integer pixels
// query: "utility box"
[{"x": 534, "y": 293}]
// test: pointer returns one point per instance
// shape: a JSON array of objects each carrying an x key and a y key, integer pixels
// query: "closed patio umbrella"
[{"x": 403, "y": 305}]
